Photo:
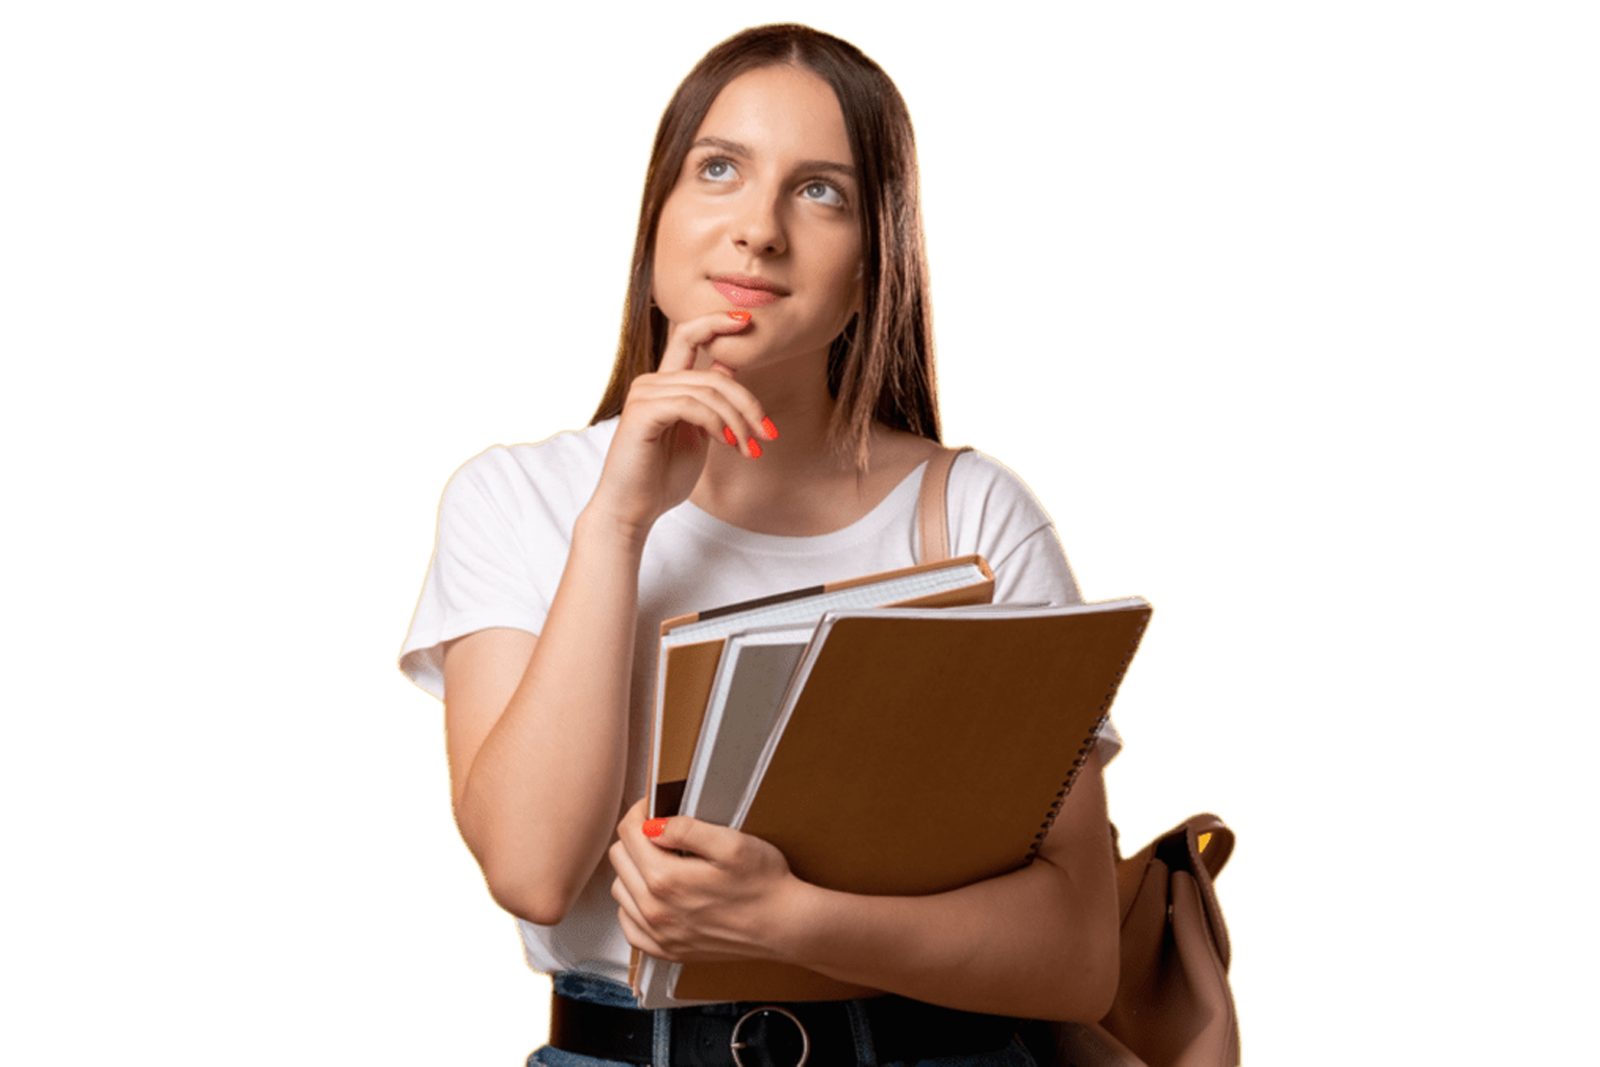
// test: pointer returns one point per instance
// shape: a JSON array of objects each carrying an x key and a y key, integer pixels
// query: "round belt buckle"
[{"x": 737, "y": 1045}]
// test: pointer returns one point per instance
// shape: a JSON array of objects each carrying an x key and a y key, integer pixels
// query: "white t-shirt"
[{"x": 505, "y": 528}]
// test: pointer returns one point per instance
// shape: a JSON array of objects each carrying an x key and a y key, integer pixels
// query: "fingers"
[
  {"x": 639, "y": 936},
  {"x": 634, "y": 925},
  {"x": 745, "y": 423},
  {"x": 642, "y": 844},
  {"x": 632, "y": 855},
  {"x": 716, "y": 844},
  {"x": 633, "y": 890},
  {"x": 724, "y": 410},
  {"x": 709, "y": 400},
  {"x": 628, "y": 887},
  {"x": 709, "y": 842},
  {"x": 686, "y": 338},
  {"x": 687, "y": 889}
]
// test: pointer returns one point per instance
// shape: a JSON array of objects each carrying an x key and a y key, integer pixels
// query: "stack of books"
[{"x": 895, "y": 734}]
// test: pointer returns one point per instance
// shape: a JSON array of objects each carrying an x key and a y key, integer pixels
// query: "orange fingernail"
[
  {"x": 772, "y": 431},
  {"x": 729, "y": 436},
  {"x": 755, "y": 449},
  {"x": 739, "y": 316},
  {"x": 655, "y": 827}
]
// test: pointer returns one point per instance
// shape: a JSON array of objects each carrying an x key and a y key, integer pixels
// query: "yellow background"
[{"x": 1084, "y": 202}]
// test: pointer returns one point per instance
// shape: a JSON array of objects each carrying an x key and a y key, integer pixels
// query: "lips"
[{"x": 746, "y": 292}]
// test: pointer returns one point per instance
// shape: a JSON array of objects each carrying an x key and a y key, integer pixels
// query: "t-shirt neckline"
[{"x": 900, "y": 501}]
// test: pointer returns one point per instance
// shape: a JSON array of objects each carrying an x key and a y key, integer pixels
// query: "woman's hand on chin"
[
  {"x": 730, "y": 897},
  {"x": 669, "y": 421}
]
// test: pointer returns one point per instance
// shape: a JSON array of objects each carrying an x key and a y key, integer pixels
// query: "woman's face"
[{"x": 765, "y": 218}]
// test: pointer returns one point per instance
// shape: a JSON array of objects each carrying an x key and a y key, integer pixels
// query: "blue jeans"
[{"x": 602, "y": 991}]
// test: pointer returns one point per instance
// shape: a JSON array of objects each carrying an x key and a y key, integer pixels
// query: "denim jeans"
[{"x": 602, "y": 991}]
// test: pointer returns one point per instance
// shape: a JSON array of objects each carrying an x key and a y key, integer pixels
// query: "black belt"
[{"x": 776, "y": 1035}]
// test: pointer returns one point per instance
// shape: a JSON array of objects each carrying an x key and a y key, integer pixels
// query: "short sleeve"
[
  {"x": 1036, "y": 572},
  {"x": 505, "y": 528},
  {"x": 993, "y": 513}
]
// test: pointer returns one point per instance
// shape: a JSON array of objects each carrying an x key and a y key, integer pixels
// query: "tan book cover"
[{"x": 924, "y": 753}]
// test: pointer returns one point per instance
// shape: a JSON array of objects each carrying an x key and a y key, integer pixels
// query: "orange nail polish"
[
  {"x": 772, "y": 431},
  {"x": 739, "y": 316},
  {"x": 729, "y": 436},
  {"x": 655, "y": 827},
  {"x": 755, "y": 449}
]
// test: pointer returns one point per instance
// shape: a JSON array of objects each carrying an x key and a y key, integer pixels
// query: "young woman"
[{"x": 766, "y": 427}]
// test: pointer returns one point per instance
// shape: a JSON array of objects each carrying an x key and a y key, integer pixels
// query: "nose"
[{"x": 758, "y": 228}]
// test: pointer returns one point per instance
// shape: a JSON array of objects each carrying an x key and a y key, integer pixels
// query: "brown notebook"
[
  {"x": 924, "y": 751},
  {"x": 691, "y": 646}
]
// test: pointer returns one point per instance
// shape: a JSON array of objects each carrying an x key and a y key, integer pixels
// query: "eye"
[
  {"x": 823, "y": 192},
  {"x": 718, "y": 169}
]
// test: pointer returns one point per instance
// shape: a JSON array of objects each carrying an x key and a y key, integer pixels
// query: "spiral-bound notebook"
[
  {"x": 922, "y": 750},
  {"x": 692, "y": 645}
]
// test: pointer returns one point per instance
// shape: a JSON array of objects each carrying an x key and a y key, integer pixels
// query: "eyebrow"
[{"x": 737, "y": 149}]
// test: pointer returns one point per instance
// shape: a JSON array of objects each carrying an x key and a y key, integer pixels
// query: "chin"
[{"x": 724, "y": 349}]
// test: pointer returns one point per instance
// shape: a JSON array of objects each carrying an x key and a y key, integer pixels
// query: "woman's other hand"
[
  {"x": 1038, "y": 942},
  {"x": 723, "y": 900},
  {"x": 669, "y": 421}
]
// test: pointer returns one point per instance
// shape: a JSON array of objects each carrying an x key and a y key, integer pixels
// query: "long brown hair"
[{"x": 880, "y": 369}]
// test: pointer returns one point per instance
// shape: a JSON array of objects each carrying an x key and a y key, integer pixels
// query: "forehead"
[{"x": 781, "y": 111}]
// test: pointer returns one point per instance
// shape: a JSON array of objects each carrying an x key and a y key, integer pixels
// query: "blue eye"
[
  {"x": 823, "y": 193},
  {"x": 718, "y": 170}
]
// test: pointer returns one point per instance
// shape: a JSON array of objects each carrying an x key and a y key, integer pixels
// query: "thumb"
[{"x": 682, "y": 833}]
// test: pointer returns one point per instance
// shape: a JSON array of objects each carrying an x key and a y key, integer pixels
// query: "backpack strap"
[{"x": 933, "y": 535}]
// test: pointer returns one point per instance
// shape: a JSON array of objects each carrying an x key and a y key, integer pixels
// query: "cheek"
[
  {"x": 667, "y": 259},
  {"x": 665, "y": 244},
  {"x": 682, "y": 237},
  {"x": 847, "y": 300},
  {"x": 852, "y": 281},
  {"x": 670, "y": 225}
]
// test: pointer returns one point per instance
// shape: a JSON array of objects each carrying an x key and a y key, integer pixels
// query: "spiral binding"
[{"x": 1087, "y": 746}]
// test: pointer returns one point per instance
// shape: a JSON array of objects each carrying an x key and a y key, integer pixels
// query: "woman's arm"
[
  {"x": 537, "y": 727},
  {"x": 1039, "y": 942}
]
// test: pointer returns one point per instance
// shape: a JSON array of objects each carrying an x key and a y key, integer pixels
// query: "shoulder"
[
  {"x": 982, "y": 484},
  {"x": 557, "y": 474},
  {"x": 992, "y": 512},
  {"x": 896, "y": 454}
]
